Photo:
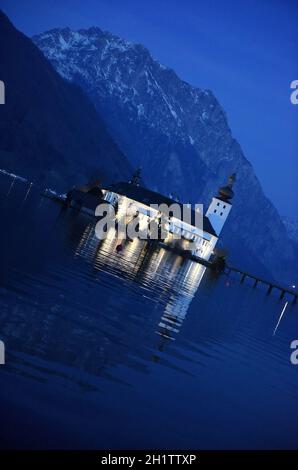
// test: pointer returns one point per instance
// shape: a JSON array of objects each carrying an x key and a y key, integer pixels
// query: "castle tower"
[{"x": 221, "y": 205}]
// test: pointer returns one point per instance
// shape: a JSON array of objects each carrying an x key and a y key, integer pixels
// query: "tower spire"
[{"x": 226, "y": 192}]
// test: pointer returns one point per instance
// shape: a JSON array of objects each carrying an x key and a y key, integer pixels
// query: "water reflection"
[
  {"x": 174, "y": 279},
  {"x": 73, "y": 316},
  {"x": 161, "y": 345}
]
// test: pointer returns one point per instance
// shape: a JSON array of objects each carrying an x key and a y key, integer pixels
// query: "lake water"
[{"x": 140, "y": 349}]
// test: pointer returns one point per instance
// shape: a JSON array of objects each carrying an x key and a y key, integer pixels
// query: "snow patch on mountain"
[{"x": 291, "y": 225}]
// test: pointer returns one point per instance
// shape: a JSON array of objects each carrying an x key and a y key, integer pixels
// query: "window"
[
  {"x": 218, "y": 203},
  {"x": 224, "y": 206},
  {"x": 221, "y": 213},
  {"x": 215, "y": 211}
]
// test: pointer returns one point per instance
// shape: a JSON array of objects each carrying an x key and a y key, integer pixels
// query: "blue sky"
[{"x": 244, "y": 51}]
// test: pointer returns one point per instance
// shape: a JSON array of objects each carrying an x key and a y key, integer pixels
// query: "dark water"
[{"x": 133, "y": 350}]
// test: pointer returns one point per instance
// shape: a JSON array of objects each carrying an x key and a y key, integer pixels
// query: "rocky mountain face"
[
  {"x": 50, "y": 132},
  {"x": 177, "y": 133},
  {"x": 291, "y": 225}
]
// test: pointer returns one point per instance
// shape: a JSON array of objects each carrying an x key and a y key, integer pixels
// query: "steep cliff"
[{"x": 50, "y": 131}]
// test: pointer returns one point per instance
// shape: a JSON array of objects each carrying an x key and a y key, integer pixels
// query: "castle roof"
[{"x": 148, "y": 197}]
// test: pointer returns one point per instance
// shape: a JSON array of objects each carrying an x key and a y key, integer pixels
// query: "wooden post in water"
[
  {"x": 283, "y": 290},
  {"x": 282, "y": 294}
]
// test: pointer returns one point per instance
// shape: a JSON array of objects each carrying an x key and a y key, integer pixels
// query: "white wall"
[{"x": 217, "y": 213}]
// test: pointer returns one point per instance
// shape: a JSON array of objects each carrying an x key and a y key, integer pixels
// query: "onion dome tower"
[
  {"x": 221, "y": 205},
  {"x": 226, "y": 193}
]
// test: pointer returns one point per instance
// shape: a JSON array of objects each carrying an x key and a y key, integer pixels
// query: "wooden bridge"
[{"x": 257, "y": 280}]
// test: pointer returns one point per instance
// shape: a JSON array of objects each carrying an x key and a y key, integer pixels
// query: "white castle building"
[{"x": 130, "y": 199}]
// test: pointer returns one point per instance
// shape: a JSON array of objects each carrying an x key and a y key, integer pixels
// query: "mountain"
[
  {"x": 49, "y": 130},
  {"x": 178, "y": 133},
  {"x": 291, "y": 225}
]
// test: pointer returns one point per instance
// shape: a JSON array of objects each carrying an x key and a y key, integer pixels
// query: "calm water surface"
[{"x": 133, "y": 350}]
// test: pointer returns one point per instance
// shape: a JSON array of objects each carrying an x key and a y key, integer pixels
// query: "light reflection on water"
[
  {"x": 133, "y": 349},
  {"x": 173, "y": 279}
]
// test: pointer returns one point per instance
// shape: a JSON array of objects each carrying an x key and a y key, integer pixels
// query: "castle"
[{"x": 130, "y": 200}]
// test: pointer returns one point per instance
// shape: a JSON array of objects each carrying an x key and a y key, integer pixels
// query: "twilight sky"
[{"x": 244, "y": 51}]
